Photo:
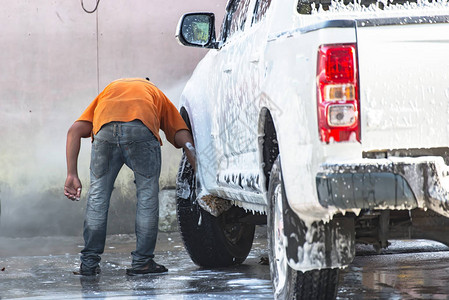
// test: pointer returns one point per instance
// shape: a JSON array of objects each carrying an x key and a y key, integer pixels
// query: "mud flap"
[{"x": 322, "y": 245}]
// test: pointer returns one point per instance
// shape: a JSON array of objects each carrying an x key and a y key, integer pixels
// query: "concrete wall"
[{"x": 54, "y": 59}]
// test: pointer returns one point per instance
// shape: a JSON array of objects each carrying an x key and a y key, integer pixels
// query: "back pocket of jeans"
[
  {"x": 145, "y": 157},
  {"x": 99, "y": 162}
]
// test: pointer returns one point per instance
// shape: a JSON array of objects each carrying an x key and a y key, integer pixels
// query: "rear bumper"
[{"x": 394, "y": 183}]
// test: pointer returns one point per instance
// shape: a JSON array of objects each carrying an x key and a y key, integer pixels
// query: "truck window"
[
  {"x": 305, "y": 7},
  {"x": 260, "y": 10},
  {"x": 235, "y": 18}
]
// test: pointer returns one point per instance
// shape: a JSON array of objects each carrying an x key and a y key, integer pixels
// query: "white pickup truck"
[{"x": 327, "y": 121}]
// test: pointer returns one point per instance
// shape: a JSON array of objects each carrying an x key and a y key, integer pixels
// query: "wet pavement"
[
  {"x": 41, "y": 268},
  {"x": 38, "y": 275},
  {"x": 406, "y": 270}
]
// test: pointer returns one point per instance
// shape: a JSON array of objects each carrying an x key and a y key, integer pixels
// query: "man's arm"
[
  {"x": 79, "y": 129},
  {"x": 183, "y": 138}
]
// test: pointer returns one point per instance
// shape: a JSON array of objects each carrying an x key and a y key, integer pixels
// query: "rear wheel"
[
  {"x": 287, "y": 282},
  {"x": 210, "y": 241}
]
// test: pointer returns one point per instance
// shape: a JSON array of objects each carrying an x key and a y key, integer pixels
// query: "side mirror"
[{"x": 197, "y": 30}]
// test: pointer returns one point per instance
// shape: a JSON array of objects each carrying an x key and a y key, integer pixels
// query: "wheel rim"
[
  {"x": 232, "y": 229},
  {"x": 280, "y": 256}
]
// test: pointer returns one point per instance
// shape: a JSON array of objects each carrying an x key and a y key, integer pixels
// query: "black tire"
[
  {"x": 287, "y": 282},
  {"x": 210, "y": 241}
]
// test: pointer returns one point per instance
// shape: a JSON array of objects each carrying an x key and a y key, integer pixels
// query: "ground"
[{"x": 41, "y": 268}]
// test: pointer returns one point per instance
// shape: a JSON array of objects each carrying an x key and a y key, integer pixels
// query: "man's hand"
[
  {"x": 184, "y": 139},
  {"x": 72, "y": 188},
  {"x": 79, "y": 129},
  {"x": 191, "y": 154}
]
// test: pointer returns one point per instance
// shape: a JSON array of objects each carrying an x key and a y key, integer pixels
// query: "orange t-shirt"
[{"x": 129, "y": 99}]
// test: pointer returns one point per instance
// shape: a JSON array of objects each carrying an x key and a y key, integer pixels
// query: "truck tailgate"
[{"x": 404, "y": 85}]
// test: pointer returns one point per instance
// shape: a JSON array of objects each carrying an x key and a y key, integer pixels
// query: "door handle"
[
  {"x": 255, "y": 58},
  {"x": 227, "y": 69}
]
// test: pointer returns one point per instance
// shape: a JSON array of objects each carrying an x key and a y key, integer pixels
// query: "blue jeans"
[{"x": 119, "y": 143}]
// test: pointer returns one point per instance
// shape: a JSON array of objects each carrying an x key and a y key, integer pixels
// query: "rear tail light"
[{"x": 338, "y": 93}]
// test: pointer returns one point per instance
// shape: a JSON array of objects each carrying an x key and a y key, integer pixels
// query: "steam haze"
[{"x": 55, "y": 58}]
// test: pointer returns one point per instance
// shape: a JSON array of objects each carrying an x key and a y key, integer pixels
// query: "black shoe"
[
  {"x": 88, "y": 271},
  {"x": 151, "y": 267}
]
